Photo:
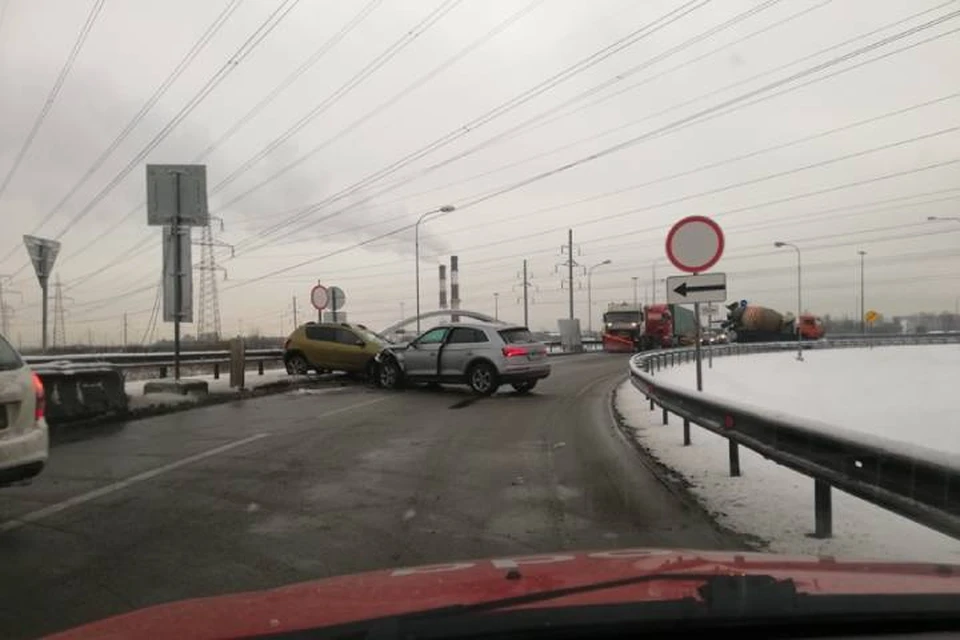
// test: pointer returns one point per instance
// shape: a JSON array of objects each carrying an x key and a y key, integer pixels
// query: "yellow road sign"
[{"x": 871, "y": 316}]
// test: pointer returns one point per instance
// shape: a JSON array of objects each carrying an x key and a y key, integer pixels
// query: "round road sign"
[
  {"x": 337, "y": 298},
  {"x": 694, "y": 244},
  {"x": 319, "y": 297}
]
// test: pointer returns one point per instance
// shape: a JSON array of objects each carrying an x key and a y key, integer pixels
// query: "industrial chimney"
[
  {"x": 454, "y": 287},
  {"x": 443, "y": 286}
]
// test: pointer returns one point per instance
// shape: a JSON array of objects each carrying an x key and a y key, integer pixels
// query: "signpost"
[
  {"x": 871, "y": 317},
  {"x": 694, "y": 244},
  {"x": 177, "y": 198},
  {"x": 337, "y": 301},
  {"x": 710, "y": 287},
  {"x": 43, "y": 253},
  {"x": 319, "y": 297}
]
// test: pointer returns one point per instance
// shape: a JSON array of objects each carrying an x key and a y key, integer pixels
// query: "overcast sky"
[{"x": 832, "y": 125}]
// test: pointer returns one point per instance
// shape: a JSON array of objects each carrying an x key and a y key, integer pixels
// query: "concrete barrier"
[{"x": 77, "y": 391}]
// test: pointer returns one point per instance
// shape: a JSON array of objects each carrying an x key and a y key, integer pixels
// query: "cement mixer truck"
[{"x": 753, "y": 323}]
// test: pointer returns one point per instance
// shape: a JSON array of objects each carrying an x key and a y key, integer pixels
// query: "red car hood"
[{"x": 383, "y": 593}]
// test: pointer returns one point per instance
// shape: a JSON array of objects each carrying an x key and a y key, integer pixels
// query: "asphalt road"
[{"x": 309, "y": 484}]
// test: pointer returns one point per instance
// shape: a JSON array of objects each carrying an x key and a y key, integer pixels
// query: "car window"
[
  {"x": 520, "y": 335},
  {"x": 325, "y": 334},
  {"x": 434, "y": 336},
  {"x": 9, "y": 358},
  {"x": 345, "y": 336},
  {"x": 461, "y": 335}
]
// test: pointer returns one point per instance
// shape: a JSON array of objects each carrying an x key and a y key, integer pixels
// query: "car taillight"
[
  {"x": 510, "y": 352},
  {"x": 41, "y": 402}
]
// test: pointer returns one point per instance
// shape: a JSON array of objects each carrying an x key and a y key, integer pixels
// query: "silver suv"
[{"x": 478, "y": 354}]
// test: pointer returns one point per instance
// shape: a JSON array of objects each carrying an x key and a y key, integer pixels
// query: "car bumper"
[
  {"x": 23, "y": 456},
  {"x": 525, "y": 373}
]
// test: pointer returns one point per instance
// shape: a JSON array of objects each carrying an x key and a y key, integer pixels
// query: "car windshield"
[
  {"x": 364, "y": 307},
  {"x": 622, "y": 316}
]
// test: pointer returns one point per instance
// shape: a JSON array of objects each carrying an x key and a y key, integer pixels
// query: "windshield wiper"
[{"x": 742, "y": 600}]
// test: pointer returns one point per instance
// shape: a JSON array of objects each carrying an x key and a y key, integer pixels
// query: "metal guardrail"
[
  {"x": 920, "y": 484},
  {"x": 163, "y": 361}
]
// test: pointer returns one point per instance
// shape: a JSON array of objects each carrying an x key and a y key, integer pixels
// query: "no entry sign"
[
  {"x": 695, "y": 244},
  {"x": 319, "y": 297}
]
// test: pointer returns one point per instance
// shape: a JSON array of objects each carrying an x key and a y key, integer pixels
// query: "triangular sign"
[{"x": 43, "y": 253}]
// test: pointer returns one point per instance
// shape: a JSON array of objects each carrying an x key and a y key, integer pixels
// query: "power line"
[
  {"x": 718, "y": 110},
  {"x": 308, "y": 208},
  {"x": 779, "y": 82},
  {"x": 54, "y": 92},
  {"x": 372, "y": 67},
  {"x": 503, "y": 25},
  {"x": 719, "y": 163},
  {"x": 249, "y": 45},
  {"x": 303, "y": 121},
  {"x": 305, "y": 66},
  {"x": 138, "y": 117}
]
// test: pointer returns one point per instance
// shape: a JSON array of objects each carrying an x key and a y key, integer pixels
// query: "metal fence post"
[
  {"x": 216, "y": 370},
  {"x": 260, "y": 367},
  {"x": 686, "y": 432},
  {"x": 665, "y": 416},
  {"x": 822, "y": 509},
  {"x": 734, "y": 449},
  {"x": 651, "y": 404},
  {"x": 163, "y": 372}
]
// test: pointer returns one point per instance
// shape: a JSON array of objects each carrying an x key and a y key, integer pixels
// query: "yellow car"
[{"x": 332, "y": 346}]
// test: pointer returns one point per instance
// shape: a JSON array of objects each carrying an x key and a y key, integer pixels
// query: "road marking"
[
  {"x": 83, "y": 498},
  {"x": 54, "y": 509}
]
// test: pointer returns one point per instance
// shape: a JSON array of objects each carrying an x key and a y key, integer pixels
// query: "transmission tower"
[
  {"x": 569, "y": 281},
  {"x": 6, "y": 311},
  {"x": 208, "y": 304},
  {"x": 527, "y": 287},
  {"x": 59, "y": 316}
]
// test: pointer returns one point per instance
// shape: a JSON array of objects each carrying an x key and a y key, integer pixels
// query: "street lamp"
[
  {"x": 496, "y": 306},
  {"x": 636, "y": 290},
  {"x": 447, "y": 208},
  {"x": 590, "y": 294},
  {"x": 863, "y": 309},
  {"x": 780, "y": 245},
  {"x": 653, "y": 280}
]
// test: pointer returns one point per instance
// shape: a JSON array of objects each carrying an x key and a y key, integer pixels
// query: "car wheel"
[
  {"x": 297, "y": 364},
  {"x": 390, "y": 374},
  {"x": 524, "y": 387},
  {"x": 482, "y": 378}
]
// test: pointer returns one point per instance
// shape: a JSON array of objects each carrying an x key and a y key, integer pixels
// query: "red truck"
[{"x": 628, "y": 328}]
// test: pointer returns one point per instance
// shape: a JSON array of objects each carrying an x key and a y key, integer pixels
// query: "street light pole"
[
  {"x": 799, "y": 295},
  {"x": 590, "y": 294},
  {"x": 863, "y": 309},
  {"x": 653, "y": 281},
  {"x": 496, "y": 306},
  {"x": 636, "y": 290},
  {"x": 448, "y": 208}
]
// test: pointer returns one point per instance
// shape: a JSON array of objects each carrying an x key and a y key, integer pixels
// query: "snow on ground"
[
  {"x": 772, "y": 502},
  {"x": 139, "y": 400},
  {"x": 906, "y": 393}
]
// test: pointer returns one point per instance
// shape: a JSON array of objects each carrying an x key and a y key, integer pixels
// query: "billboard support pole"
[
  {"x": 177, "y": 284},
  {"x": 43, "y": 292},
  {"x": 699, "y": 350}
]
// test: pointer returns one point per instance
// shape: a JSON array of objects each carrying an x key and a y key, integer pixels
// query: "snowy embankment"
[{"x": 907, "y": 394}]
